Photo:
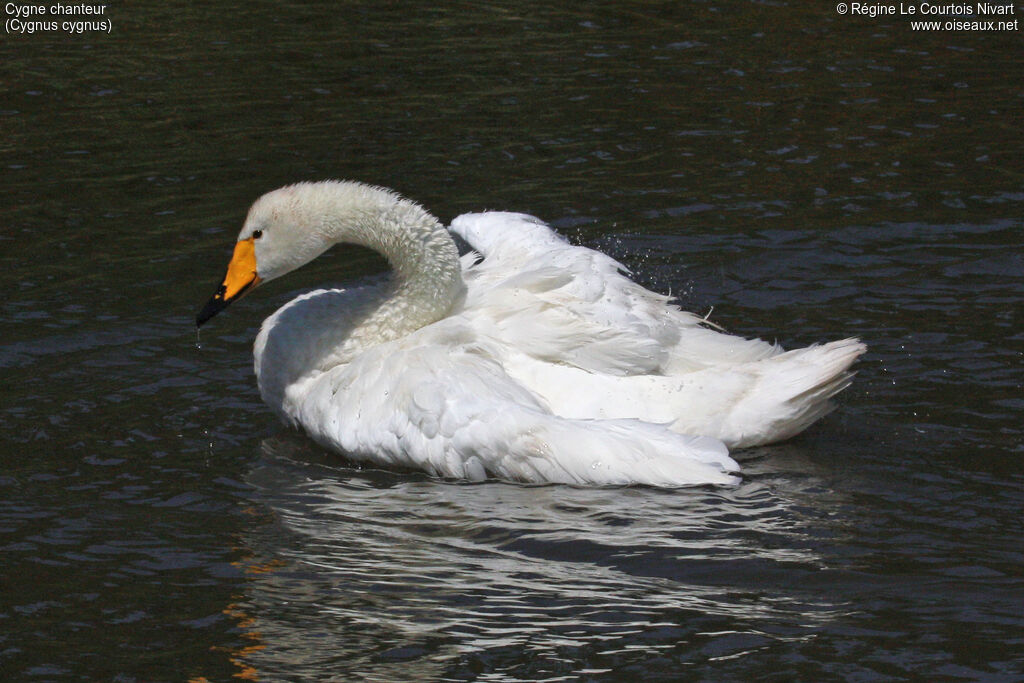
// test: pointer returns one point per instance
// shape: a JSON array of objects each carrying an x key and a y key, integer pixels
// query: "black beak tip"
[{"x": 212, "y": 308}]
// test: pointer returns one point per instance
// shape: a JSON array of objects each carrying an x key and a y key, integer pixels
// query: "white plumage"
[{"x": 529, "y": 360}]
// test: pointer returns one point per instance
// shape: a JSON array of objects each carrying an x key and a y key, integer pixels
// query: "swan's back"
[{"x": 550, "y": 295}]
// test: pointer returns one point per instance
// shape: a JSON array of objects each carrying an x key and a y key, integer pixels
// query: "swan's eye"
[{"x": 256, "y": 234}]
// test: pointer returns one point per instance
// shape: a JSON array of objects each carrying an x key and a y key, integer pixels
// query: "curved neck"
[
  {"x": 327, "y": 328},
  {"x": 427, "y": 275}
]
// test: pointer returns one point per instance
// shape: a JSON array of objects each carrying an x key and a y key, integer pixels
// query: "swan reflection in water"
[{"x": 397, "y": 576}]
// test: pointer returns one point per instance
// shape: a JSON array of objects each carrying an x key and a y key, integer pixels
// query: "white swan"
[{"x": 530, "y": 360}]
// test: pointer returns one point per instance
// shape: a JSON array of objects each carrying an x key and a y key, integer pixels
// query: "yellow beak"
[{"x": 241, "y": 277}]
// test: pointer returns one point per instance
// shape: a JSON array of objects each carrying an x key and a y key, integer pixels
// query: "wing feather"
[
  {"x": 573, "y": 305},
  {"x": 454, "y": 412}
]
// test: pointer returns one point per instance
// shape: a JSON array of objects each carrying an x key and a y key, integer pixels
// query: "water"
[{"x": 805, "y": 175}]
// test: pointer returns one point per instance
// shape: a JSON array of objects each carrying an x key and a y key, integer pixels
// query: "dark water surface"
[{"x": 807, "y": 175}]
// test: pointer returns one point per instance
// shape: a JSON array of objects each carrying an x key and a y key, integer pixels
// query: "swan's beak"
[{"x": 240, "y": 279}]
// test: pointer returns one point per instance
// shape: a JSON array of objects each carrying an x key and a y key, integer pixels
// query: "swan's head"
[
  {"x": 291, "y": 226},
  {"x": 283, "y": 231}
]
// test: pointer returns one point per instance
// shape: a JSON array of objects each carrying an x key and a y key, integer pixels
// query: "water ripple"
[{"x": 490, "y": 568}]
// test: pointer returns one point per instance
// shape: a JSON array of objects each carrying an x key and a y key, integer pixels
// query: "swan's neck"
[
  {"x": 321, "y": 330},
  {"x": 426, "y": 278}
]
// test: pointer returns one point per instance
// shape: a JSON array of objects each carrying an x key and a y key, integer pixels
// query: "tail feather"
[{"x": 793, "y": 391}]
